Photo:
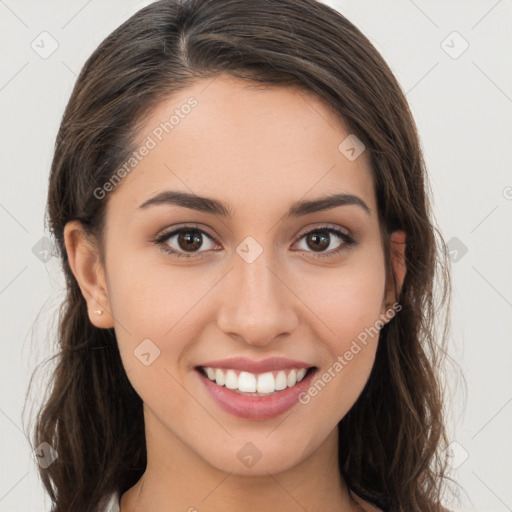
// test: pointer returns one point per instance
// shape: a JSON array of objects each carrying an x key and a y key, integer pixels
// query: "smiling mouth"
[{"x": 254, "y": 384}]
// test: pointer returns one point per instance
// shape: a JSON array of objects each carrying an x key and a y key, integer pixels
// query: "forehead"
[{"x": 252, "y": 147}]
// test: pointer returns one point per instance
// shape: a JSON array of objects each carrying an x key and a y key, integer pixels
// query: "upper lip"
[{"x": 256, "y": 366}]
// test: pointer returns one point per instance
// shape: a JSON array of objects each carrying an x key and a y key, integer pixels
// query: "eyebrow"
[{"x": 213, "y": 206}]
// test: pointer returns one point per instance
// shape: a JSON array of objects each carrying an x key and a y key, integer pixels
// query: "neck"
[{"x": 176, "y": 478}]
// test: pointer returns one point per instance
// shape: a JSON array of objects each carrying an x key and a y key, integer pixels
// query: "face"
[{"x": 243, "y": 289}]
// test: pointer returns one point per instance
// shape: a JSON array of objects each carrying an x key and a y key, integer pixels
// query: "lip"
[
  {"x": 250, "y": 365},
  {"x": 257, "y": 408}
]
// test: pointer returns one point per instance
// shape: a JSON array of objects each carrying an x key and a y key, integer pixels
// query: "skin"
[{"x": 258, "y": 151}]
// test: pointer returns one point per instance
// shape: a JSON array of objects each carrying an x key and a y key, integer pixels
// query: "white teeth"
[
  {"x": 281, "y": 381},
  {"x": 231, "y": 380},
  {"x": 219, "y": 377},
  {"x": 264, "y": 383},
  {"x": 246, "y": 382},
  {"x": 292, "y": 378}
]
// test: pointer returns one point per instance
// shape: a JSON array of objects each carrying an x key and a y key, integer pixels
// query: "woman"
[{"x": 240, "y": 202}]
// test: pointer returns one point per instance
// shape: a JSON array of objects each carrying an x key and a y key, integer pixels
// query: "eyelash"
[{"x": 348, "y": 241}]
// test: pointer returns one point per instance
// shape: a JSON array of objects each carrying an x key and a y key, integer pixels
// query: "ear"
[
  {"x": 398, "y": 245},
  {"x": 85, "y": 263}
]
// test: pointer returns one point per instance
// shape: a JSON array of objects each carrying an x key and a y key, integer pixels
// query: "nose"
[{"x": 258, "y": 304}]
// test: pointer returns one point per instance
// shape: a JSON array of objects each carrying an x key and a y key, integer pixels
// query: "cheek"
[
  {"x": 347, "y": 304},
  {"x": 346, "y": 301},
  {"x": 154, "y": 307},
  {"x": 147, "y": 297},
  {"x": 147, "y": 311}
]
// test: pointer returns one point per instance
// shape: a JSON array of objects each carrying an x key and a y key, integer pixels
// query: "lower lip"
[{"x": 256, "y": 407}]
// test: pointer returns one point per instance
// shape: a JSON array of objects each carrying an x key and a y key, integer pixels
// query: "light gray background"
[{"x": 463, "y": 108}]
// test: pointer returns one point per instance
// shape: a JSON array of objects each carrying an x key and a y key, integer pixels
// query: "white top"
[{"x": 113, "y": 503}]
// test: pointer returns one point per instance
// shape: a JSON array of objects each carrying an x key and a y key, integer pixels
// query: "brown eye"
[
  {"x": 318, "y": 242},
  {"x": 189, "y": 240},
  {"x": 185, "y": 240},
  {"x": 320, "y": 239}
]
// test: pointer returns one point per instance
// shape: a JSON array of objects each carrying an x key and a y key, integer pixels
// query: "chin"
[{"x": 260, "y": 454}]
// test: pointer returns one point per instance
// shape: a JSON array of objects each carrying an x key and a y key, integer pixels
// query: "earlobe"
[{"x": 85, "y": 264}]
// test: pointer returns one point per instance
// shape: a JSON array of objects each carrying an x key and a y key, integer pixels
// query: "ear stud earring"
[{"x": 98, "y": 311}]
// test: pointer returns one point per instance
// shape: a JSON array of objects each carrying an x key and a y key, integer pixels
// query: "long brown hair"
[{"x": 390, "y": 440}]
